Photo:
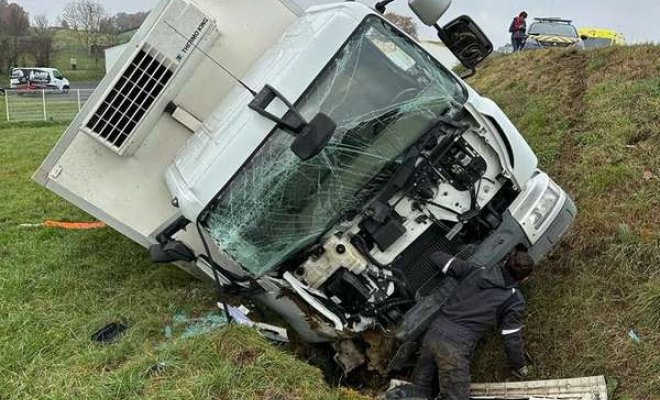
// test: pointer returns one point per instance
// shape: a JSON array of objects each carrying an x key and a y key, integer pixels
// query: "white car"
[
  {"x": 311, "y": 160},
  {"x": 38, "y": 78}
]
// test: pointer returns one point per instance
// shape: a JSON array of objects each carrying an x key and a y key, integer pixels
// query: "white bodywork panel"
[
  {"x": 129, "y": 193},
  {"x": 589, "y": 388},
  {"x": 524, "y": 162}
]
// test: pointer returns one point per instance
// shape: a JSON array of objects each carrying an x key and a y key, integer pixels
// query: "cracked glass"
[{"x": 383, "y": 92}]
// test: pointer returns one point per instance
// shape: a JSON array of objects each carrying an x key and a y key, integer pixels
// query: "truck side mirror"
[
  {"x": 429, "y": 11},
  {"x": 466, "y": 40},
  {"x": 314, "y": 137},
  {"x": 311, "y": 137}
]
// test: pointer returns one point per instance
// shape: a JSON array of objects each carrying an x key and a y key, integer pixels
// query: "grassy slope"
[
  {"x": 594, "y": 120},
  {"x": 58, "y": 287},
  {"x": 68, "y": 46}
]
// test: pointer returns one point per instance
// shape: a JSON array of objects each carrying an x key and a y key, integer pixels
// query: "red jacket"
[{"x": 518, "y": 26}]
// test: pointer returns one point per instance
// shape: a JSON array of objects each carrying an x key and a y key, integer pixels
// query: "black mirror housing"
[
  {"x": 467, "y": 41},
  {"x": 314, "y": 137},
  {"x": 171, "y": 252}
]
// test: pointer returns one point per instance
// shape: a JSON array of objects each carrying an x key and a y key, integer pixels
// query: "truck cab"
[{"x": 311, "y": 160}]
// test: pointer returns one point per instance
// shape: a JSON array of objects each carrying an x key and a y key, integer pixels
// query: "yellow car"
[
  {"x": 598, "y": 37},
  {"x": 552, "y": 33}
]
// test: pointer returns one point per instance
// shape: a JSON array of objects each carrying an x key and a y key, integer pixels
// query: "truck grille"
[
  {"x": 118, "y": 115},
  {"x": 415, "y": 263}
]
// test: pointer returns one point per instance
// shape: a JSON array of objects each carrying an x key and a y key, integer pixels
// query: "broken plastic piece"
[
  {"x": 110, "y": 332},
  {"x": 634, "y": 336}
]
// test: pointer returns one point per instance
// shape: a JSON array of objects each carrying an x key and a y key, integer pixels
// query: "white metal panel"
[
  {"x": 524, "y": 162},
  {"x": 589, "y": 388},
  {"x": 129, "y": 193},
  {"x": 112, "y": 55}
]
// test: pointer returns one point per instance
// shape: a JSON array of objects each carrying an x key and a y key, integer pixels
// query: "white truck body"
[{"x": 192, "y": 174}]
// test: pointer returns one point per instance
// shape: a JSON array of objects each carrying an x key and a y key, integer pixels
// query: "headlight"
[
  {"x": 537, "y": 206},
  {"x": 544, "y": 207}
]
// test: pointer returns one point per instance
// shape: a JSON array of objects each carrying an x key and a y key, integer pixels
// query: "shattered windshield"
[{"x": 383, "y": 92}]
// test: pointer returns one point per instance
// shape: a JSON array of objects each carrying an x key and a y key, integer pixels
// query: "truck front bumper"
[{"x": 510, "y": 235}]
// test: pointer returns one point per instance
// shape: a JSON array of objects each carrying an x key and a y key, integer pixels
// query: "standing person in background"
[{"x": 518, "y": 31}]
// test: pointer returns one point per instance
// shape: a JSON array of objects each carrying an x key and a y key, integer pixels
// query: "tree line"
[{"x": 95, "y": 29}]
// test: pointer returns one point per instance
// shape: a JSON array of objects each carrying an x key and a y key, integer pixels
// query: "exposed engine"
[{"x": 444, "y": 195}]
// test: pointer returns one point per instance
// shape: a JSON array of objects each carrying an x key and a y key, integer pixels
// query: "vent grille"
[{"x": 116, "y": 119}]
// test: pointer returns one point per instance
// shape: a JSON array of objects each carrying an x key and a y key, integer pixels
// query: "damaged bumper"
[{"x": 537, "y": 220}]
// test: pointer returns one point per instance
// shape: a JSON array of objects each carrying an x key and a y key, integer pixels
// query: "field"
[{"x": 592, "y": 117}]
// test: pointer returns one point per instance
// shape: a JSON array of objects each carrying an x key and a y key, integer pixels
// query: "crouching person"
[{"x": 485, "y": 298}]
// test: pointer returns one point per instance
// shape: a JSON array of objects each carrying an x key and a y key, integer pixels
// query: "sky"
[{"x": 636, "y": 19}]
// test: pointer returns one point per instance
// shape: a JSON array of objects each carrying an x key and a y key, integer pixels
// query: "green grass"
[
  {"x": 58, "y": 287},
  {"x": 594, "y": 119},
  {"x": 68, "y": 46}
]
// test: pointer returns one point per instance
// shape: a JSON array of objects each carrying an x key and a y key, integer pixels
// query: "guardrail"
[{"x": 44, "y": 105}]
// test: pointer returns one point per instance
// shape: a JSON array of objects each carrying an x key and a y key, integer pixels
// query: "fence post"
[
  {"x": 43, "y": 96},
  {"x": 78, "y": 90},
  {"x": 7, "y": 103}
]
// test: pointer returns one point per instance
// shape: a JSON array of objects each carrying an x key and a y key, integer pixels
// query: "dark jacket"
[
  {"x": 485, "y": 298},
  {"x": 518, "y": 27}
]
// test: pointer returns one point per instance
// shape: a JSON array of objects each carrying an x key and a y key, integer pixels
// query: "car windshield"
[
  {"x": 592, "y": 43},
  {"x": 552, "y": 29},
  {"x": 57, "y": 75},
  {"x": 383, "y": 92}
]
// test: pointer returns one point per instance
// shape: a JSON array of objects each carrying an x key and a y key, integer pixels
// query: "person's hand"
[{"x": 521, "y": 373}]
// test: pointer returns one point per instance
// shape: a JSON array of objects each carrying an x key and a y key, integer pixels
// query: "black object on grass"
[{"x": 109, "y": 333}]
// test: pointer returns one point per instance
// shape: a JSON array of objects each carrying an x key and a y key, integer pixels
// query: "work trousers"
[{"x": 446, "y": 362}]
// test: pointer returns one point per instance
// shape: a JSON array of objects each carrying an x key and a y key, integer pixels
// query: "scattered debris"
[
  {"x": 648, "y": 175},
  {"x": 110, "y": 332},
  {"x": 589, "y": 388},
  {"x": 156, "y": 369},
  {"x": 195, "y": 326},
  {"x": 216, "y": 319},
  {"x": 67, "y": 225},
  {"x": 634, "y": 336},
  {"x": 348, "y": 355}
]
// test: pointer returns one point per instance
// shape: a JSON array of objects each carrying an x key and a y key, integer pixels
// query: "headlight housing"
[
  {"x": 537, "y": 206},
  {"x": 544, "y": 207}
]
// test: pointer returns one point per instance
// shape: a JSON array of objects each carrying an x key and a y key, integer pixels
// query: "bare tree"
[
  {"x": 85, "y": 17},
  {"x": 14, "y": 25},
  {"x": 406, "y": 24},
  {"x": 42, "y": 40},
  {"x": 127, "y": 22}
]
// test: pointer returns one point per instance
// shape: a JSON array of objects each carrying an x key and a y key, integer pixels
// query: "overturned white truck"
[{"x": 310, "y": 160}]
